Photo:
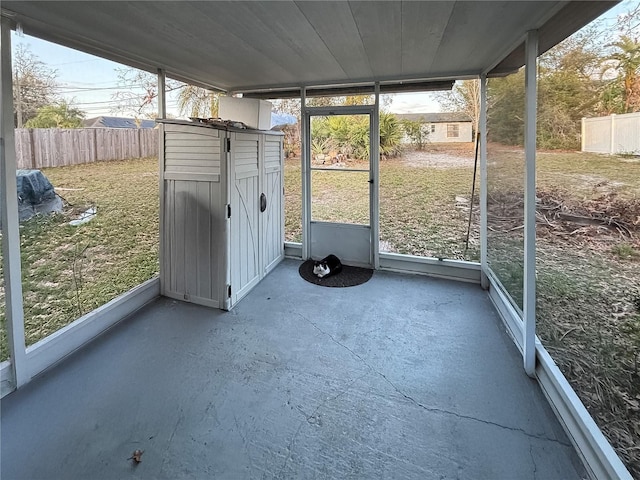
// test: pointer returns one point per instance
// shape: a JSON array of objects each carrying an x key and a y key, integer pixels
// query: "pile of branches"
[
  {"x": 557, "y": 214},
  {"x": 505, "y": 211},
  {"x": 606, "y": 215}
]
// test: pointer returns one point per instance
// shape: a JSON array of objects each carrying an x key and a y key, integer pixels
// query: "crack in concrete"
[
  {"x": 533, "y": 460},
  {"x": 475, "y": 419},
  {"x": 175, "y": 429},
  {"x": 424, "y": 407}
]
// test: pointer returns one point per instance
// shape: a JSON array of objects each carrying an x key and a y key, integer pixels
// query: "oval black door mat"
[{"x": 348, "y": 277}]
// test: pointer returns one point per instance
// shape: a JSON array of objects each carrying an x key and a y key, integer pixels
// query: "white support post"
[
  {"x": 374, "y": 194},
  {"x": 484, "y": 262},
  {"x": 583, "y": 134},
  {"x": 162, "y": 94},
  {"x": 305, "y": 151},
  {"x": 162, "y": 113},
  {"x": 10, "y": 227},
  {"x": 529, "y": 300}
]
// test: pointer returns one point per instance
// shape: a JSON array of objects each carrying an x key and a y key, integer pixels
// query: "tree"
[
  {"x": 287, "y": 105},
  {"x": 198, "y": 102},
  {"x": 292, "y": 132},
  {"x": 390, "y": 135},
  {"x": 138, "y": 93},
  {"x": 350, "y": 135},
  {"x": 626, "y": 62},
  {"x": 464, "y": 97},
  {"x": 138, "y": 96},
  {"x": 505, "y": 109},
  {"x": 60, "y": 115},
  {"x": 628, "y": 23},
  {"x": 417, "y": 132},
  {"x": 34, "y": 85},
  {"x": 569, "y": 89}
]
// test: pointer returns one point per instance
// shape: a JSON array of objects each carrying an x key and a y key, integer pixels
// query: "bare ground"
[{"x": 454, "y": 155}]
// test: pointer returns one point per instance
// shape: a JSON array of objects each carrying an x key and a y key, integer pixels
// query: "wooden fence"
[
  {"x": 57, "y": 147},
  {"x": 612, "y": 134}
]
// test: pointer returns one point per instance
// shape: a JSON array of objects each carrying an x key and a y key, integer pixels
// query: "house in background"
[
  {"x": 117, "y": 122},
  {"x": 447, "y": 127}
]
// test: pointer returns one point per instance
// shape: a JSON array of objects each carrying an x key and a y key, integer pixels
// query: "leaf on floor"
[{"x": 136, "y": 456}]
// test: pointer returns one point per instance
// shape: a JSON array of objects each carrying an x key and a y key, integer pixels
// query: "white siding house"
[{"x": 447, "y": 127}]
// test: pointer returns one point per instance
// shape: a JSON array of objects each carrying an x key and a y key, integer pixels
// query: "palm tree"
[
  {"x": 199, "y": 102},
  {"x": 628, "y": 66},
  {"x": 390, "y": 135}
]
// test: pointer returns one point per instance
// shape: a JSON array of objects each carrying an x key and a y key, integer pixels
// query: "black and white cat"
[{"x": 329, "y": 265}]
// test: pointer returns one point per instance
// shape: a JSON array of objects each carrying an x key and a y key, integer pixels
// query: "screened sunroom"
[{"x": 431, "y": 369}]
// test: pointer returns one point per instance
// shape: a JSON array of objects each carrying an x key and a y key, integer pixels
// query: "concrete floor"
[{"x": 404, "y": 377}]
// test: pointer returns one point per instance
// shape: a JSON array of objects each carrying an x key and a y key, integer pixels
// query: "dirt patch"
[
  {"x": 438, "y": 159},
  {"x": 595, "y": 181}
]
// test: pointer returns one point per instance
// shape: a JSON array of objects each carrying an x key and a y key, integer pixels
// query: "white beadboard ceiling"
[{"x": 247, "y": 46}]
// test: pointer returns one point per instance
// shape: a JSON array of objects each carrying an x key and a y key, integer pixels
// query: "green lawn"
[
  {"x": 68, "y": 271},
  {"x": 418, "y": 209}
]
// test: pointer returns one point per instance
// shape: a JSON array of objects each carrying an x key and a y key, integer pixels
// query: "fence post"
[
  {"x": 32, "y": 150},
  {"x": 584, "y": 133},
  {"x": 95, "y": 145},
  {"x": 612, "y": 147}
]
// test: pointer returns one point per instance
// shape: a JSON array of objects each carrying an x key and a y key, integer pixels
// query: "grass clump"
[{"x": 625, "y": 251}]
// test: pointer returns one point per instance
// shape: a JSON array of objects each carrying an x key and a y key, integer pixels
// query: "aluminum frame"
[
  {"x": 484, "y": 281},
  {"x": 529, "y": 287},
  {"x": 10, "y": 227},
  {"x": 374, "y": 161}
]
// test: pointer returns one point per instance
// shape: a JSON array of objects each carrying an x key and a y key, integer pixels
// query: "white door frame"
[{"x": 374, "y": 146}]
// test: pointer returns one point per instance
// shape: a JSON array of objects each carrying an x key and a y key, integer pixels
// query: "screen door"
[{"x": 340, "y": 183}]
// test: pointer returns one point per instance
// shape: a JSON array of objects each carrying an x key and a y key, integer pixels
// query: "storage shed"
[
  {"x": 406, "y": 377},
  {"x": 222, "y": 208}
]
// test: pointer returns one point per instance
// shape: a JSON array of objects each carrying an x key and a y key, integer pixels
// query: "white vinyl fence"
[
  {"x": 614, "y": 134},
  {"x": 57, "y": 147}
]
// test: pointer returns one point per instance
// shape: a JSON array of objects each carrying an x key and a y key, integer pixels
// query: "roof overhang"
[{"x": 277, "y": 47}]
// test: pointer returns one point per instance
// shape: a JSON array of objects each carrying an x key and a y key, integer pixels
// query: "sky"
[
  {"x": 86, "y": 81},
  {"x": 89, "y": 82}
]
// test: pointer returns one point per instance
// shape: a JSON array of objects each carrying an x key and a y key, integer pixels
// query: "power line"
[
  {"x": 98, "y": 103},
  {"x": 87, "y": 89},
  {"x": 76, "y": 61},
  {"x": 80, "y": 84}
]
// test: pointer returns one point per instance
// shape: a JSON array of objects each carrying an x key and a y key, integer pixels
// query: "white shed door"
[
  {"x": 245, "y": 214},
  {"x": 273, "y": 214}
]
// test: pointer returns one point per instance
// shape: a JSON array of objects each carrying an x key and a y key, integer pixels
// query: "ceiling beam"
[{"x": 427, "y": 86}]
